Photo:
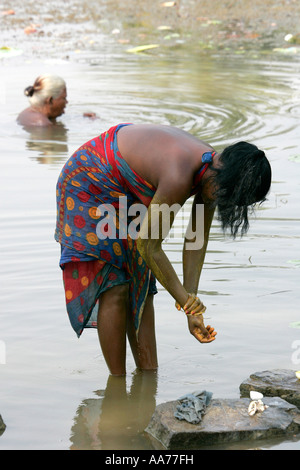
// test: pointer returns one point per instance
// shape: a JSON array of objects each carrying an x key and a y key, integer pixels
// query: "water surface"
[{"x": 55, "y": 389}]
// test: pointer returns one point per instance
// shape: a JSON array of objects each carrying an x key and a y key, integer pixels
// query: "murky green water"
[{"x": 55, "y": 392}]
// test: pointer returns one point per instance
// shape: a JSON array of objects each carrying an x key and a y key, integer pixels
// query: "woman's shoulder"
[{"x": 31, "y": 117}]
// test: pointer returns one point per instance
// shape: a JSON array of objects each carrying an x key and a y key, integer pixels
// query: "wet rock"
[
  {"x": 2, "y": 426},
  {"x": 274, "y": 383},
  {"x": 225, "y": 421}
]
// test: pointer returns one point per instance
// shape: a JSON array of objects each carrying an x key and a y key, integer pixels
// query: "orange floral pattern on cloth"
[{"x": 95, "y": 259}]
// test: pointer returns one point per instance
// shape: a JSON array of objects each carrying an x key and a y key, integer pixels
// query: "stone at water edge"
[
  {"x": 2, "y": 426},
  {"x": 274, "y": 383},
  {"x": 225, "y": 421}
]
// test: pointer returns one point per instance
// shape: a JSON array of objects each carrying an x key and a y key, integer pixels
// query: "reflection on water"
[
  {"x": 116, "y": 419},
  {"x": 49, "y": 142},
  {"x": 250, "y": 286}
]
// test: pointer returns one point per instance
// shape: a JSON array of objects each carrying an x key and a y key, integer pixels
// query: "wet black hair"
[{"x": 243, "y": 180}]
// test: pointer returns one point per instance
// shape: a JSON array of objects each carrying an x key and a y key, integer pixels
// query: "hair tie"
[
  {"x": 29, "y": 91},
  {"x": 207, "y": 157}
]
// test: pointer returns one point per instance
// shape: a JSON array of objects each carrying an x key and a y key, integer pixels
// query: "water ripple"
[{"x": 198, "y": 98}]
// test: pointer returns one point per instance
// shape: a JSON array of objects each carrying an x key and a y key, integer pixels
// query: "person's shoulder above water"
[{"x": 30, "y": 117}]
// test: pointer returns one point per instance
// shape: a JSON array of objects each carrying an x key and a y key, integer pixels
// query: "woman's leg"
[
  {"x": 111, "y": 324},
  {"x": 144, "y": 348}
]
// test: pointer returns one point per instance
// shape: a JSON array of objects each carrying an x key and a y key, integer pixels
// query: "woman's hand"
[
  {"x": 199, "y": 331},
  {"x": 192, "y": 308},
  {"x": 90, "y": 115}
]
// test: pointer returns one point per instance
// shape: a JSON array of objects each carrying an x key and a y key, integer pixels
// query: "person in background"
[{"x": 47, "y": 98}]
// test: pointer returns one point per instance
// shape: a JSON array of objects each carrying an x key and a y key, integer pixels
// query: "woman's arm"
[
  {"x": 194, "y": 249},
  {"x": 193, "y": 258},
  {"x": 155, "y": 226}
]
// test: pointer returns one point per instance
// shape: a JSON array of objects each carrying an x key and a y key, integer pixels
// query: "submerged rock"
[
  {"x": 2, "y": 426},
  {"x": 225, "y": 421},
  {"x": 274, "y": 383}
]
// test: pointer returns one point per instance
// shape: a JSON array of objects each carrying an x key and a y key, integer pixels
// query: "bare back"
[{"x": 156, "y": 152}]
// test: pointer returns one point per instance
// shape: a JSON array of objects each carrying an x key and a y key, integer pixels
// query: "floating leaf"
[
  {"x": 146, "y": 47},
  {"x": 9, "y": 52},
  {"x": 30, "y": 30},
  {"x": 295, "y": 324},
  {"x": 293, "y": 39},
  {"x": 172, "y": 36},
  {"x": 164, "y": 28},
  {"x": 123, "y": 41},
  {"x": 295, "y": 158},
  {"x": 286, "y": 50},
  {"x": 296, "y": 262},
  {"x": 214, "y": 22},
  {"x": 8, "y": 12}
]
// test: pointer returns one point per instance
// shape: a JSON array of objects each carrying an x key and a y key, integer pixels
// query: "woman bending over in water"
[
  {"x": 109, "y": 274},
  {"x": 47, "y": 98}
]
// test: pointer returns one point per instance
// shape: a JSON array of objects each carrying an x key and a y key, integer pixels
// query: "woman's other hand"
[
  {"x": 193, "y": 309},
  {"x": 199, "y": 331}
]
